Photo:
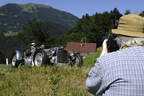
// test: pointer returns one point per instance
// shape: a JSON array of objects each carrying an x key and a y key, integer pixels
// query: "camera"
[{"x": 112, "y": 44}]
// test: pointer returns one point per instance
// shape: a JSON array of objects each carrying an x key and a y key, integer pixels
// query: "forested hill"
[{"x": 14, "y": 16}]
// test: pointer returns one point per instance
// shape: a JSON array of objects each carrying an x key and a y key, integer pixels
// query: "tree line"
[
  {"x": 88, "y": 29},
  {"x": 94, "y": 28}
]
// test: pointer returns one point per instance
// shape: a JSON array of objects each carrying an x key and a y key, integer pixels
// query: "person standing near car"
[
  {"x": 33, "y": 47},
  {"x": 42, "y": 46},
  {"x": 119, "y": 71},
  {"x": 30, "y": 50}
]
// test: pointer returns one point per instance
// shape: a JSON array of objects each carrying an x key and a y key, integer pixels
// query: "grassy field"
[{"x": 46, "y": 81}]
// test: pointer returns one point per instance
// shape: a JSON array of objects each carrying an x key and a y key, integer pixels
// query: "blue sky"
[{"x": 81, "y": 7}]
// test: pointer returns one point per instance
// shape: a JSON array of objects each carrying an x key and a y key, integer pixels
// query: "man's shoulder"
[{"x": 130, "y": 51}]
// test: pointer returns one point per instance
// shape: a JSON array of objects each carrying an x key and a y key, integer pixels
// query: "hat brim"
[{"x": 128, "y": 33}]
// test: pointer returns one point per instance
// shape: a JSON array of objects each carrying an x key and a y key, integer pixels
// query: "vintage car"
[{"x": 46, "y": 56}]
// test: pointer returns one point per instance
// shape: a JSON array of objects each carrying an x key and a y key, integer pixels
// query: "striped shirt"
[{"x": 119, "y": 73}]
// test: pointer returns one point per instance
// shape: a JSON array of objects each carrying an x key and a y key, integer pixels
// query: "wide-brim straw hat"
[{"x": 130, "y": 25}]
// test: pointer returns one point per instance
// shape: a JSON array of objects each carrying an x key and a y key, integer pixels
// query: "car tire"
[
  {"x": 40, "y": 59},
  {"x": 15, "y": 62}
]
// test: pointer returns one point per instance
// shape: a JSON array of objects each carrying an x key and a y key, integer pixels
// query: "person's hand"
[{"x": 104, "y": 47}]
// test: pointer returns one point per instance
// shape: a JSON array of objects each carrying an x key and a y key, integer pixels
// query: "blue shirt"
[{"x": 119, "y": 73}]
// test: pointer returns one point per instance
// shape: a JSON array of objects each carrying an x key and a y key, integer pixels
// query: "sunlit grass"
[
  {"x": 46, "y": 81},
  {"x": 91, "y": 59},
  {"x": 43, "y": 81}
]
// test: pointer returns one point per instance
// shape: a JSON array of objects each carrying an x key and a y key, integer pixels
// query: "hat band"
[{"x": 128, "y": 33}]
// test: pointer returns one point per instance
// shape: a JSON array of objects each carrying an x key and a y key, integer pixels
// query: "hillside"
[{"x": 14, "y": 16}]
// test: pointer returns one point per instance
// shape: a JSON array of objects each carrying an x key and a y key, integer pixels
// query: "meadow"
[{"x": 46, "y": 81}]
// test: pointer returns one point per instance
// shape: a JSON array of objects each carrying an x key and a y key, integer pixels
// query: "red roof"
[{"x": 81, "y": 47}]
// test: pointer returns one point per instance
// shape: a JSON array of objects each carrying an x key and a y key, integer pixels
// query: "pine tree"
[{"x": 127, "y": 12}]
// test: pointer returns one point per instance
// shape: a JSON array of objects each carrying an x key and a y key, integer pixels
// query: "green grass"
[
  {"x": 91, "y": 59},
  {"x": 46, "y": 81}
]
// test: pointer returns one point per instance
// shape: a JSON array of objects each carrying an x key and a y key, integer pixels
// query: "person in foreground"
[{"x": 119, "y": 71}]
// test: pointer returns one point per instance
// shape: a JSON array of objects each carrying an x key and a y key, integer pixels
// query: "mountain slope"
[{"x": 14, "y": 16}]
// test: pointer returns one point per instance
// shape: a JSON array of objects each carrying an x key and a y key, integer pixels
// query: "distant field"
[{"x": 46, "y": 81}]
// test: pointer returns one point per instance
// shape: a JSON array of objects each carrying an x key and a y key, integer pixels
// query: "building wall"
[{"x": 83, "y": 54}]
